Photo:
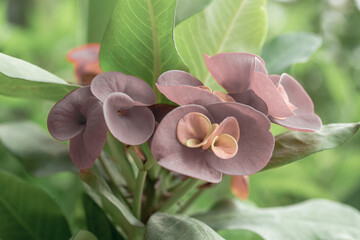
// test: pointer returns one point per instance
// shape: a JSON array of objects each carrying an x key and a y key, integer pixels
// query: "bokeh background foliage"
[{"x": 318, "y": 42}]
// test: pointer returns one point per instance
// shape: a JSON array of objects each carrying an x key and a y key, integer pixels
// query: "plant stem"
[
  {"x": 136, "y": 157},
  {"x": 184, "y": 188},
  {"x": 126, "y": 170},
  {"x": 191, "y": 201},
  {"x": 112, "y": 178},
  {"x": 139, "y": 187}
]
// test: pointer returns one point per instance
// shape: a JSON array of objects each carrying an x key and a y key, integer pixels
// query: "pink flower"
[
  {"x": 79, "y": 117},
  {"x": 125, "y": 99},
  {"x": 86, "y": 61},
  {"x": 205, "y": 142},
  {"x": 282, "y": 98}
]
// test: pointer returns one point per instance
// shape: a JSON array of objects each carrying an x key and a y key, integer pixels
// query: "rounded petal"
[
  {"x": 139, "y": 91},
  {"x": 305, "y": 119},
  {"x": 88, "y": 145},
  {"x": 255, "y": 145},
  {"x": 65, "y": 119},
  {"x": 224, "y": 146},
  {"x": 183, "y": 88},
  {"x": 107, "y": 83},
  {"x": 165, "y": 141},
  {"x": 234, "y": 71},
  {"x": 130, "y": 124},
  {"x": 194, "y": 126},
  {"x": 177, "y": 78},
  {"x": 228, "y": 126},
  {"x": 191, "y": 163},
  {"x": 265, "y": 89},
  {"x": 251, "y": 99},
  {"x": 110, "y": 82}
]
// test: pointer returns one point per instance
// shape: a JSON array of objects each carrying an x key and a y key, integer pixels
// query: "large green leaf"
[
  {"x": 83, "y": 235},
  {"x": 292, "y": 146},
  {"x": 97, "y": 222},
  {"x": 139, "y": 39},
  {"x": 314, "y": 219},
  {"x": 187, "y": 8},
  {"x": 102, "y": 195},
  {"x": 37, "y": 150},
  {"x": 22, "y": 79},
  {"x": 285, "y": 50},
  {"x": 27, "y": 212},
  {"x": 224, "y": 26},
  {"x": 162, "y": 226}
]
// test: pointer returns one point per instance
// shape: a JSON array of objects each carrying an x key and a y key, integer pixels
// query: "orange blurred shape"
[
  {"x": 86, "y": 61},
  {"x": 240, "y": 186}
]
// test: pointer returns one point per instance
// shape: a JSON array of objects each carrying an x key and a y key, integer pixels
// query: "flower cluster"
[
  {"x": 113, "y": 101},
  {"x": 211, "y": 133}
]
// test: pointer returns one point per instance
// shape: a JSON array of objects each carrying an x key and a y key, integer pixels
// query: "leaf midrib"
[
  {"x": 226, "y": 36},
  {"x": 156, "y": 47},
  {"x": 18, "y": 218}
]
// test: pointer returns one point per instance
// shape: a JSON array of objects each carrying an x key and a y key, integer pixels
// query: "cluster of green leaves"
[{"x": 142, "y": 40}]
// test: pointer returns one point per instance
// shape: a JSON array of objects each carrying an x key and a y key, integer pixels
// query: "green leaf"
[
  {"x": 97, "y": 222},
  {"x": 99, "y": 13},
  {"x": 162, "y": 226},
  {"x": 314, "y": 219},
  {"x": 37, "y": 150},
  {"x": 102, "y": 195},
  {"x": 139, "y": 40},
  {"x": 22, "y": 79},
  {"x": 187, "y": 8},
  {"x": 285, "y": 50},
  {"x": 83, "y": 235},
  {"x": 292, "y": 146},
  {"x": 224, "y": 26},
  {"x": 27, "y": 212}
]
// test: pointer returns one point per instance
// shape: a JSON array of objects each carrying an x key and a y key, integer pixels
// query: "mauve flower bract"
[
  {"x": 209, "y": 144},
  {"x": 183, "y": 88},
  {"x": 283, "y": 99},
  {"x": 79, "y": 117},
  {"x": 86, "y": 61},
  {"x": 125, "y": 100}
]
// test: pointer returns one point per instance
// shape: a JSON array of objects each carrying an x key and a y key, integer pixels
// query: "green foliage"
[
  {"x": 139, "y": 40},
  {"x": 97, "y": 222},
  {"x": 102, "y": 195},
  {"x": 187, "y": 8},
  {"x": 286, "y": 50},
  {"x": 39, "y": 153},
  {"x": 83, "y": 235},
  {"x": 27, "y": 212},
  {"x": 22, "y": 79},
  {"x": 162, "y": 226},
  {"x": 313, "y": 219},
  {"x": 224, "y": 26},
  {"x": 291, "y": 146}
]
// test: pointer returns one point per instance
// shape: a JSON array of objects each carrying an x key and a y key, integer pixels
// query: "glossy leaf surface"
[
  {"x": 313, "y": 219},
  {"x": 162, "y": 226},
  {"x": 22, "y": 79},
  {"x": 223, "y": 26},
  {"x": 291, "y": 146},
  {"x": 139, "y": 40}
]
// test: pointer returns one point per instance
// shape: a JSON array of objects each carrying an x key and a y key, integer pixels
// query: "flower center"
[
  {"x": 284, "y": 95},
  {"x": 195, "y": 130}
]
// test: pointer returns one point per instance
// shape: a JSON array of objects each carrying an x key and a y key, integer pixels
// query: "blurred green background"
[{"x": 42, "y": 32}]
